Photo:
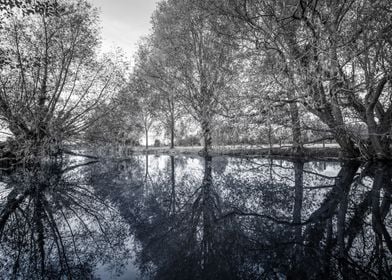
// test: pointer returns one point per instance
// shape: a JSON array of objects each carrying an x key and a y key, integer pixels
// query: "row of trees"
[
  {"x": 187, "y": 66},
  {"x": 245, "y": 67},
  {"x": 319, "y": 66}
]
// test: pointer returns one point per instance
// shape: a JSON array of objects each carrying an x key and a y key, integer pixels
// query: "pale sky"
[{"x": 124, "y": 22}]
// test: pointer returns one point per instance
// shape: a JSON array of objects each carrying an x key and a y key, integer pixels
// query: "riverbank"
[{"x": 316, "y": 151}]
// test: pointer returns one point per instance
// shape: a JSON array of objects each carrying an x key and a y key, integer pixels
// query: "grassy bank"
[{"x": 330, "y": 151}]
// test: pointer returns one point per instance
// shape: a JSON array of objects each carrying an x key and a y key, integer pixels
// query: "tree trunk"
[
  {"x": 172, "y": 131},
  {"x": 206, "y": 129},
  {"x": 338, "y": 130},
  {"x": 346, "y": 144},
  {"x": 374, "y": 137},
  {"x": 146, "y": 139},
  {"x": 270, "y": 138},
  {"x": 146, "y": 170},
  {"x": 296, "y": 127},
  {"x": 172, "y": 121}
]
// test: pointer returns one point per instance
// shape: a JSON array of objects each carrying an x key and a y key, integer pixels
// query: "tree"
[
  {"x": 142, "y": 93},
  {"x": 50, "y": 7},
  {"x": 154, "y": 67},
  {"x": 116, "y": 123},
  {"x": 53, "y": 80},
  {"x": 204, "y": 64},
  {"x": 335, "y": 57}
]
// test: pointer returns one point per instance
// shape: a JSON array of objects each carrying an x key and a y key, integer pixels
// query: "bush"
[{"x": 189, "y": 141}]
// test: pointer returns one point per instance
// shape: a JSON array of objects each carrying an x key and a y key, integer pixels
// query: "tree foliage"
[
  {"x": 332, "y": 58},
  {"x": 201, "y": 61},
  {"x": 51, "y": 78}
]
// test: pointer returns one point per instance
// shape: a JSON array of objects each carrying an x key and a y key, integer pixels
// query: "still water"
[{"x": 188, "y": 217}]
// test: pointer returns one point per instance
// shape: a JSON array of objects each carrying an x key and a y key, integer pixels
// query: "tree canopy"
[{"x": 52, "y": 79}]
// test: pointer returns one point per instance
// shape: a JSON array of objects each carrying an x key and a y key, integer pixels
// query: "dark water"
[{"x": 166, "y": 217}]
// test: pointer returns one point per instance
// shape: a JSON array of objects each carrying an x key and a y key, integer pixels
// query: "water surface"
[{"x": 185, "y": 217}]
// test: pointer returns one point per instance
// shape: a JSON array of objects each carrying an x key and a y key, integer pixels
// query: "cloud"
[{"x": 124, "y": 22}]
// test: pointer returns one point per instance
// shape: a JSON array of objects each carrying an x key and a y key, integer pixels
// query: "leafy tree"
[
  {"x": 154, "y": 67},
  {"x": 333, "y": 58},
  {"x": 119, "y": 125},
  {"x": 49, "y": 7},
  {"x": 52, "y": 80},
  {"x": 204, "y": 64},
  {"x": 142, "y": 93}
]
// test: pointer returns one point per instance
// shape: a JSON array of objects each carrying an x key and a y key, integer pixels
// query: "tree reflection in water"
[
  {"x": 53, "y": 226},
  {"x": 198, "y": 218},
  {"x": 260, "y": 219}
]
